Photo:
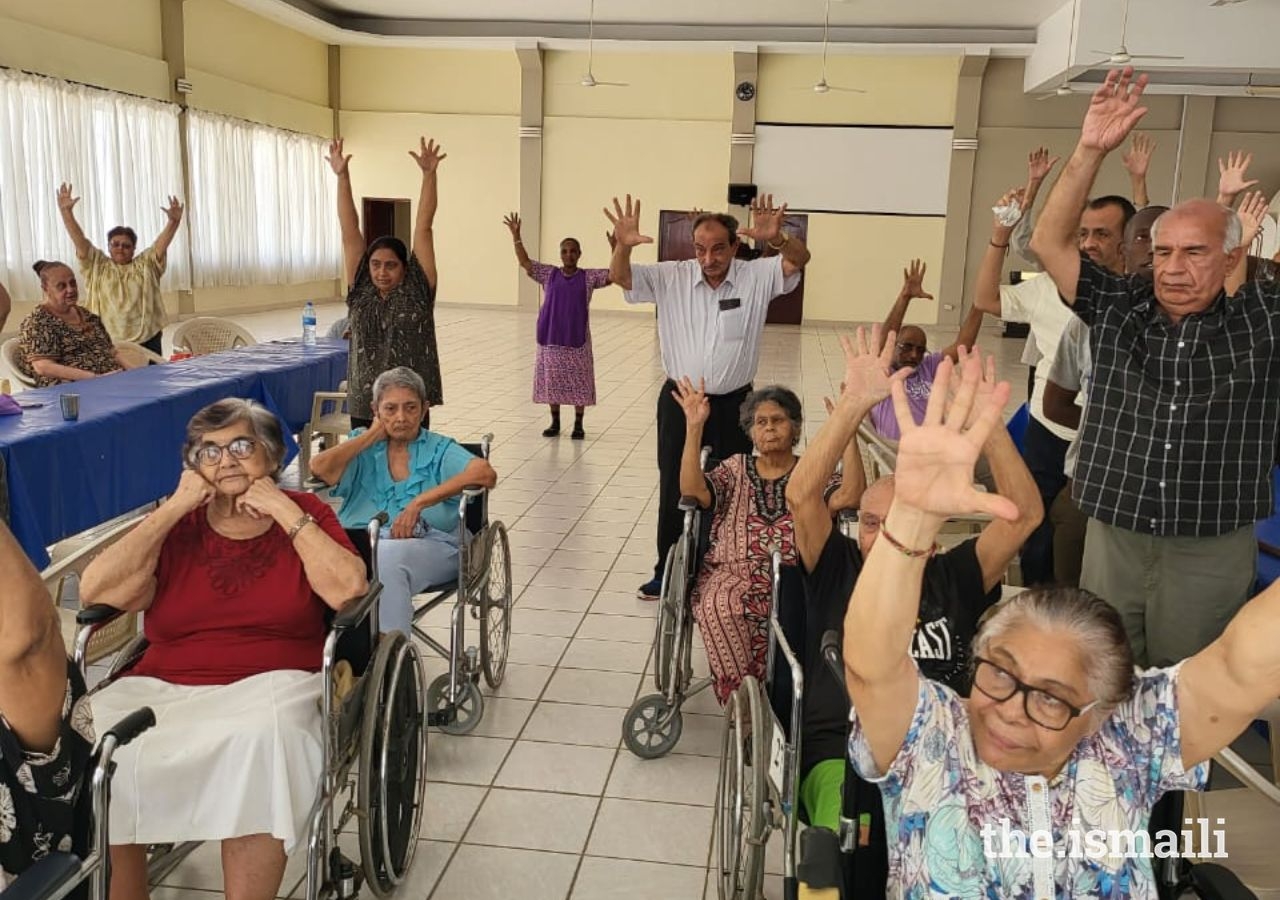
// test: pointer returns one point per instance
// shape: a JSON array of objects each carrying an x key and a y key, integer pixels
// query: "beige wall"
[{"x": 450, "y": 82}]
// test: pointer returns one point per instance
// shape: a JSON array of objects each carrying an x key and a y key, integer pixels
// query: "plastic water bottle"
[{"x": 309, "y": 324}]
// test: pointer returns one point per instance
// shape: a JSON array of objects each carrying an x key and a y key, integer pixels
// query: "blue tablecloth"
[{"x": 123, "y": 452}]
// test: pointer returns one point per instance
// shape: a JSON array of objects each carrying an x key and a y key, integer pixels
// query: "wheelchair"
[
  {"x": 374, "y": 749},
  {"x": 60, "y": 873},
  {"x": 652, "y": 725},
  {"x": 481, "y": 591}
]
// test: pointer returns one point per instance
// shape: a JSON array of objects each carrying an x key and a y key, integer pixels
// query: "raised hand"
[
  {"x": 428, "y": 156},
  {"x": 1113, "y": 110},
  {"x": 1253, "y": 210},
  {"x": 512, "y": 221},
  {"x": 1138, "y": 157},
  {"x": 173, "y": 212},
  {"x": 1040, "y": 164},
  {"x": 1231, "y": 174},
  {"x": 336, "y": 160},
  {"x": 626, "y": 223},
  {"x": 1001, "y": 226},
  {"x": 986, "y": 386},
  {"x": 65, "y": 201},
  {"x": 766, "y": 220},
  {"x": 693, "y": 400},
  {"x": 868, "y": 374},
  {"x": 934, "y": 473},
  {"x": 913, "y": 280}
]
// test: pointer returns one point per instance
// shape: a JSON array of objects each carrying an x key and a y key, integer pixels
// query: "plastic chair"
[
  {"x": 206, "y": 334},
  {"x": 329, "y": 421},
  {"x": 11, "y": 352},
  {"x": 137, "y": 355}
]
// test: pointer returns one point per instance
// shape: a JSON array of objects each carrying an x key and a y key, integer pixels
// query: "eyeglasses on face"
[
  {"x": 1041, "y": 707},
  {"x": 211, "y": 454},
  {"x": 907, "y": 346}
]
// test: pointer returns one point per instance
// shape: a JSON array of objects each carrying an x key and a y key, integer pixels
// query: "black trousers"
[
  {"x": 1045, "y": 454},
  {"x": 722, "y": 434}
]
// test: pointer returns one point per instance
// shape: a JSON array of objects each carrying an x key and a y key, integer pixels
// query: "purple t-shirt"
[{"x": 918, "y": 388}]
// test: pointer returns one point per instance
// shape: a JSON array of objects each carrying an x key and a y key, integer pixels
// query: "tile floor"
[{"x": 542, "y": 802}]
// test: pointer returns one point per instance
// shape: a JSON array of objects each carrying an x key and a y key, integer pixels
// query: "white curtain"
[
  {"x": 263, "y": 206},
  {"x": 120, "y": 153}
]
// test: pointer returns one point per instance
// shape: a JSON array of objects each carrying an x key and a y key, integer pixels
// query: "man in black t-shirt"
[{"x": 959, "y": 585}]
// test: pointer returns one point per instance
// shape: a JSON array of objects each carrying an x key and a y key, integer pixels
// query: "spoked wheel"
[
  {"x": 651, "y": 727},
  {"x": 468, "y": 704},
  {"x": 393, "y": 758},
  {"x": 670, "y": 608},
  {"x": 495, "y": 608},
  {"x": 740, "y": 794}
]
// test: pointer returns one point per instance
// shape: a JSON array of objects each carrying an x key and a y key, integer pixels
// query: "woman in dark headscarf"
[{"x": 391, "y": 293}]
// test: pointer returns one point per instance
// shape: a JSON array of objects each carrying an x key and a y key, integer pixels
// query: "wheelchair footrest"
[
  {"x": 820, "y": 863},
  {"x": 345, "y": 876}
]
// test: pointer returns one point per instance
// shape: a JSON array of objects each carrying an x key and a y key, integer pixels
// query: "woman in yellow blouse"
[{"x": 123, "y": 288}]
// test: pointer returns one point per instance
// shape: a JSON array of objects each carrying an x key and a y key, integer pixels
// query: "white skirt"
[{"x": 222, "y": 761}]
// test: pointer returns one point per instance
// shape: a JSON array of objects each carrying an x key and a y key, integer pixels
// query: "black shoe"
[
  {"x": 551, "y": 432},
  {"x": 578, "y": 434}
]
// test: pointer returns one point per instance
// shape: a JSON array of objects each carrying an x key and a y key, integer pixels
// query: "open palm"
[
  {"x": 626, "y": 223},
  {"x": 1113, "y": 110},
  {"x": 867, "y": 375}
]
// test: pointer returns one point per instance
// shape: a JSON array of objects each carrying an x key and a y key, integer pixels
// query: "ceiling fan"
[
  {"x": 588, "y": 79},
  {"x": 1121, "y": 56},
  {"x": 823, "y": 86}
]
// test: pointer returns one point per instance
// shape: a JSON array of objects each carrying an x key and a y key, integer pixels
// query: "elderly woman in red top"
[{"x": 236, "y": 577}]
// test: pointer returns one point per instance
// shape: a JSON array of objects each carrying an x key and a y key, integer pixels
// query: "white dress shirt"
[
  {"x": 1037, "y": 302},
  {"x": 706, "y": 333}
]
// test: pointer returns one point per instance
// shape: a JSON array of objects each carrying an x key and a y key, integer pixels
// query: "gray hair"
[
  {"x": 776, "y": 393},
  {"x": 1093, "y": 623},
  {"x": 399, "y": 377},
  {"x": 1232, "y": 229},
  {"x": 225, "y": 413}
]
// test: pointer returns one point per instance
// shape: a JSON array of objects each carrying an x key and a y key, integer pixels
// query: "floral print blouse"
[{"x": 938, "y": 796}]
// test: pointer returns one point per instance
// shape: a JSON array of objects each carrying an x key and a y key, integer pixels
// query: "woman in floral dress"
[{"x": 564, "y": 372}]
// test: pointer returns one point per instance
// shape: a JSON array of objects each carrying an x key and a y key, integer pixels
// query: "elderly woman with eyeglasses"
[
  {"x": 1061, "y": 737},
  {"x": 237, "y": 578}
]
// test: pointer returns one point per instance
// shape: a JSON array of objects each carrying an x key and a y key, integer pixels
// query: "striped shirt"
[{"x": 1179, "y": 432}]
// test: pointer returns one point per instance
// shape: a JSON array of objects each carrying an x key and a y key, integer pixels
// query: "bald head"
[
  {"x": 872, "y": 509},
  {"x": 911, "y": 347},
  {"x": 1196, "y": 245}
]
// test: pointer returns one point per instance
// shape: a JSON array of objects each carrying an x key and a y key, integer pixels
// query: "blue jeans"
[{"x": 407, "y": 566}]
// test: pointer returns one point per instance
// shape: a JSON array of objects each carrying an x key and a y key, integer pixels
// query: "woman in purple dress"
[{"x": 564, "y": 371}]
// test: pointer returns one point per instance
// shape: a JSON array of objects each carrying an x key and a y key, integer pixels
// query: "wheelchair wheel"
[
  {"x": 495, "y": 608},
  {"x": 468, "y": 704},
  {"x": 741, "y": 827},
  {"x": 393, "y": 757},
  {"x": 670, "y": 607},
  {"x": 651, "y": 728}
]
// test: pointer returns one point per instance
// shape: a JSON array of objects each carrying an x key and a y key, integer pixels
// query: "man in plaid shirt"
[{"x": 1179, "y": 435}]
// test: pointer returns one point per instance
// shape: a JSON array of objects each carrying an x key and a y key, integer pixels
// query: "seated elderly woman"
[
  {"x": 46, "y": 727},
  {"x": 237, "y": 579},
  {"x": 60, "y": 340},
  {"x": 747, "y": 494},
  {"x": 398, "y": 467},
  {"x": 1061, "y": 740}
]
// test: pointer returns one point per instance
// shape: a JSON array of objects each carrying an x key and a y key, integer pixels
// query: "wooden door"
[
  {"x": 675, "y": 235},
  {"x": 386, "y": 217}
]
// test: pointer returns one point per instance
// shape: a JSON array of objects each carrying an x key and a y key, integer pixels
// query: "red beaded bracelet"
[{"x": 902, "y": 548}]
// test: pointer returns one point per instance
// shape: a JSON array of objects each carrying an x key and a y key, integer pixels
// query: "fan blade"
[
  {"x": 611, "y": 84},
  {"x": 845, "y": 90},
  {"x": 1154, "y": 56}
]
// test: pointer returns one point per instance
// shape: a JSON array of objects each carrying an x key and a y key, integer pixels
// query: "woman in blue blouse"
[{"x": 416, "y": 477}]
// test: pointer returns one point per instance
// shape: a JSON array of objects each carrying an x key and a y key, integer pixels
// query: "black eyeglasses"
[
  {"x": 211, "y": 454},
  {"x": 1041, "y": 707},
  {"x": 904, "y": 346}
]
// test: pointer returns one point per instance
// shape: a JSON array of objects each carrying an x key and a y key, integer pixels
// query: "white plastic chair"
[
  {"x": 206, "y": 334},
  {"x": 137, "y": 355},
  {"x": 11, "y": 352},
  {"x": 329, "y": 421}
]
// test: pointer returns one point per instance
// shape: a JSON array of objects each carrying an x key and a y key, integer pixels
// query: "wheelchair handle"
[
  {"x": 381, "y": 518},
  {"x": 831, "y": 653},
  {"x": 687, "y": 504},
  {"x": 98, "y": 614},
  {"x": 132, "y": 725}
]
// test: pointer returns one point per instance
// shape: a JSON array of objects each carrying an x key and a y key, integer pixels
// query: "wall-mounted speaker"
[{"x": 742, "y": 194}]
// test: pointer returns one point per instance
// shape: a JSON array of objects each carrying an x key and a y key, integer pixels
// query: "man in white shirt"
[
  {"x": 1101, "y": 238},
  {"x": 711, "y": 312}
]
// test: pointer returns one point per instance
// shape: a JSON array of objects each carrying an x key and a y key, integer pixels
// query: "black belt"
[{"x": 745, "y": 389}]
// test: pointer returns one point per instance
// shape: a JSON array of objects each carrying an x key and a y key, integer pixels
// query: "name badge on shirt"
[{"x": 730, "y": 303}]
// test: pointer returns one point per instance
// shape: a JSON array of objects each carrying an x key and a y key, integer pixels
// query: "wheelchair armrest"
[
  {"x": 45, "y": 877},
  {"x": 831, "y": 654},
  {"x": 473, "y": 492},
  {"x": 98, "y": 614},
  {"x": 354, "y": 613},
  {"x": 687, "y": 504},
  {"x": 132, "y": 725}
]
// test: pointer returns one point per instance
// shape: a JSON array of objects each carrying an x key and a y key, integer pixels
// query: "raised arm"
[
  {"x": 986, "y": 285},
  {"x": 66, "y": 207},
  {"x": 172, "y": 212},
  {"x": 1231, "y": 176},
  {"x": 124, "y": 574},
  {"x": 512, "y": 221},
  {"x": 33, "y": 661},
  {"x": 1252, "y": 211},
  {"x": 352, "y": 239},
  {"x": 626, "y": 235},
  {"x": 697, "y": 409},
  {"x": 1060, "y": 404},
  {"x": 1039, "y": 165},
  {"x": 328, "y": 465},
  {"x": 1136, "y": 161},
  {"x": 912, "y": 287},
  {"x": 428, "y": 159},
  {"x": 766, "y": 228},
  {"x": 1113, "y": 112},
  {"x": 866, "y": 382},
  {"x": 968, "y": 334},
  {"x": 477, "y": 473}
]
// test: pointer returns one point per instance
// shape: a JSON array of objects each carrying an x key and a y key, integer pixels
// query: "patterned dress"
[
  {"x": 734, "y": 588},
  {"x": 564, "y": 371},
  {"x": 42, "y": 335},
  {"x": 44, "y": 803},
  {"x": 939, "y": 796},
  {"x": 396, "y": 330},
  {"x": 127, "y": 297}
]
